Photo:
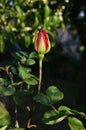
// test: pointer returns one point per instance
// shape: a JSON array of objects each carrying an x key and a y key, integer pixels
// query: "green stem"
[
  {"x": 40, "y": 75},
  {"x": 41, "y": 56},
  {"x": 16, "y": 121},
  {"x": 54, "y": 108},
  {"x": 81, "y": 114}
]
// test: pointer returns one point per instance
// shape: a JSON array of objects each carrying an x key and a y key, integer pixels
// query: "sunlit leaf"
[
  {"x": 16, "y": 129},
  {"x": 3, "y": 128},
  {"x": 52, "y": 117},
  {"x": 27, "y": 40},
  {"x": 54, "y": 20},
  {"x": 4, "y": 115},
  {"x": 47, "y": 10},
  {"x": 2, "y": 44},
  {"x": 75, "y": 124},
  {"x": 19, "y": 13},
  {"x": 66, "y": 109},
  {"x": 36, "y": 21},
  {"x": 47, "y": 22}
]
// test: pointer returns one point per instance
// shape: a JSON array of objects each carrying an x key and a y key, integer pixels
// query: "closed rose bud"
[{"x": 42, "y": 44}]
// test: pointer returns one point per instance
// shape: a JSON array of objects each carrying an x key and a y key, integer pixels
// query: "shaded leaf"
[
  {"x": 23, "y": 72},
  {"x": 17, "y": 55},
  {"x": 3, "y": 81},
  {"x": 14, "y": 71},
  {"x": 7, "y": 91},
  {"x": 30, "y": 62},
  {"x": 43, "y": 99},
  {"x": 33, "y": 55},
  {"x": 31, "y": 81},
  {"x": 24, "y": 53},
  {"x": 54, "y": 94},
  {"x": 19, "y": 97}
]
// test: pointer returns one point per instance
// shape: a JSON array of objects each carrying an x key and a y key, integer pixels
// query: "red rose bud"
[{"x": 42, "y": 44}]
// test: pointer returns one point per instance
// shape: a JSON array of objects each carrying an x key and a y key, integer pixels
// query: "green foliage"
[
  {"x": 53, "y": 95},
  {"x": 20, "y": 20},
  {"x": 22, "y": 70},
  {"x": 16, "y": 82},
  {"x": 18, "y": 97},
  {"x": 4, "y": 116},
  {"x": 7, "y": 91},
  {"x": 17, "y": 78},
  {"x": 3, "y": 128},
  {"x": 16, "y": 129},
  {"x": 75, "y": 124},
  {"x": 42, "y": 98},
  {"x": 53, "y": 117}
]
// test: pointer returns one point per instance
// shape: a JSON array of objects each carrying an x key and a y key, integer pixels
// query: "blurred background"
[{"x": 65, "y": 22}]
